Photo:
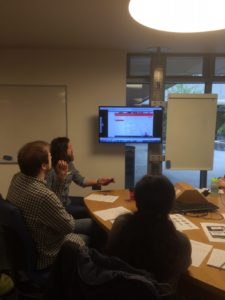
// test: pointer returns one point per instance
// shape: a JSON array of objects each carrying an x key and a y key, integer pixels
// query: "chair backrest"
[
  {"x": 4, "y": 262},
  {"x": 82, "y": 273},
  {"x": 19, "y": 240}
]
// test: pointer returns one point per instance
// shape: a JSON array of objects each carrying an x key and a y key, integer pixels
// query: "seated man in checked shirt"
[{"x": 49, "y": 223}]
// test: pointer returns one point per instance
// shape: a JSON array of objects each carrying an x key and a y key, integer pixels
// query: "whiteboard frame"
[
  {"x": 190, "y": 133},
  {"x": 44, "y": 135}
]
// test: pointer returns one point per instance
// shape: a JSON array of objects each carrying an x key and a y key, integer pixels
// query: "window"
[
  {"x": 184, "y": 66},
  {"x": 219, "y": 145},
  {"x": 182, "y": 74},
  {"x": 220, "y": 66},
  {"x": 139, "y": 66},
  {"x": 183, "y": 88}
]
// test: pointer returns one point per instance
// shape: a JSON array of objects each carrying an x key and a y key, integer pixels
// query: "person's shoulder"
[
  {"x": 123, "y": 220},
  {"x": 48, "y": 198},
  {"x": 183, "y": 244},
  {"x": 50, "y": 173},
  {"x": 182, "y": 238},
  {"x": 124, "y": 217},
  {"x": 50, "y": 177},
  {"x": 120, "y": 228},
  {"x": 17, "y": 176},
  {"x": 43, "y": 191},
  {"x": 49, "y": 194},
  {"x": 21, "y": 180}
]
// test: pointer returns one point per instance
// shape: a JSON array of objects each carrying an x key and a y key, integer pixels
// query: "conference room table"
[{"x": 209, "y": 278}]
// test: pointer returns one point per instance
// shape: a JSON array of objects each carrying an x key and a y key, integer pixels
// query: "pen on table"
[{"x": 221, "y": 266}]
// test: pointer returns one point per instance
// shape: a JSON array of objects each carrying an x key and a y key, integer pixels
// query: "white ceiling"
[{"x": 93, "y": 24}]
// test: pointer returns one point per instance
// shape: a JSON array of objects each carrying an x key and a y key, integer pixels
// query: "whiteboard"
[
  {"x": 190, "y": 133},
  {"x": 29, "y": 113}
]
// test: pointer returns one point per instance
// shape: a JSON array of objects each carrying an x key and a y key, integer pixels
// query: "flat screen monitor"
[{"x": 123, "y": 124}]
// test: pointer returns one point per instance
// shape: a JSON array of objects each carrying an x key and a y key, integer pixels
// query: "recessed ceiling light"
[{"x": 179, "y": 15}]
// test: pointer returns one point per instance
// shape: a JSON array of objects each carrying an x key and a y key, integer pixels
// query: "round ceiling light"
[{"x": 179, "y": 15}]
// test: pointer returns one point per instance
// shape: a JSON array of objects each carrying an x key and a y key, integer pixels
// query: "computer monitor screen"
[{"x": 123, "y": 124}]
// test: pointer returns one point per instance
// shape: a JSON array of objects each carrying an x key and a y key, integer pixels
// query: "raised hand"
[
  {"x": 61, "y": 169},
  {"x": 105, "y": 180}
]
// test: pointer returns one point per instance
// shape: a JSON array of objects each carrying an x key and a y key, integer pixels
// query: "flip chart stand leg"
[{"x": 203, "y": 179}]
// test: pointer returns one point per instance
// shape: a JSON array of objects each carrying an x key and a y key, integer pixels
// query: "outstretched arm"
[
  {"x": 99, "y": 181},
  {"x": 85, "y": 181}
]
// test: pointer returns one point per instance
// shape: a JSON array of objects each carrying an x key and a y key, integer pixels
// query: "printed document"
[
  {"x": 181, "y": 223},
  {"x": 199, "y": 252},
  {"x": 111, "y": 213},
  {"x": 215, "y": 232},
  {"x": 101, "y": 198},
  {"x": 217, "y": 259}
]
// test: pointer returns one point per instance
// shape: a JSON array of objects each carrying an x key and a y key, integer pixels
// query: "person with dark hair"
[
  {"x": 63, "y": 173},
  {"x": 155, "y": 195},
  {"x": 147, "y": 239},
  {"x": 49, "y": 223}
]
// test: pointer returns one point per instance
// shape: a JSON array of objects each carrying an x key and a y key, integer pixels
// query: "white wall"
[{"x": 93, "y": 78}]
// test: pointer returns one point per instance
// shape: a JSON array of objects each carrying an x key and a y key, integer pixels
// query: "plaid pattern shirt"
[
  {"x": 62, "y": 188},
  {"x": 47, "y": 220}
]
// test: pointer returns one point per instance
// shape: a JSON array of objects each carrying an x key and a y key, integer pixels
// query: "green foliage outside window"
[{"x": 220, "y": 123}]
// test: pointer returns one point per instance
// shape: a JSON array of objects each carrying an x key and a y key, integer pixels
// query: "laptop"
[{"x": 192, "y": 200}]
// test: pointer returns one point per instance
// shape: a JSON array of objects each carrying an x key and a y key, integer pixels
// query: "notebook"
[{"x": 192, "y": 201}]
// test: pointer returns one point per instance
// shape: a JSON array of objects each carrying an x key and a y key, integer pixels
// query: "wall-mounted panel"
[
  {"x": 191, "y": 123},
  {"x": 29, "y": 113}
]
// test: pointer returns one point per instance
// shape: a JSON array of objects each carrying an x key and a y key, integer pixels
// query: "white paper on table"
[
  {"x": 102, "y": 198},
  {"x": 181, "y": 223},
  {"x": 223, "y": 215},
  {"x": 111, "y": 213},
  {"x": 215, "y": 232},
  {"x": 199, "y": 252},
  {"x": 201, "y": 190},
  {"x": 217, "y": 259}
]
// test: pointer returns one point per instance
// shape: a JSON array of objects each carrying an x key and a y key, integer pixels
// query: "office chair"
[
  {"x": 84, "y": 273},
  {"x": 20, "y": 246}
]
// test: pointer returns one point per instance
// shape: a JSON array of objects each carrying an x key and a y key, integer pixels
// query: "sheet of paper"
[
  {"x": 201, "y": 190},
  {"x": 181, "y": 223},
  {"x": 199, "y": 252},
  {"x": 223, "y": 215},
  {"x": 217, "y": 259},
  {"x": 111, "y": 213},
  {"x": 102, "y": 198},
  {"x": 215, "y": 232}
]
